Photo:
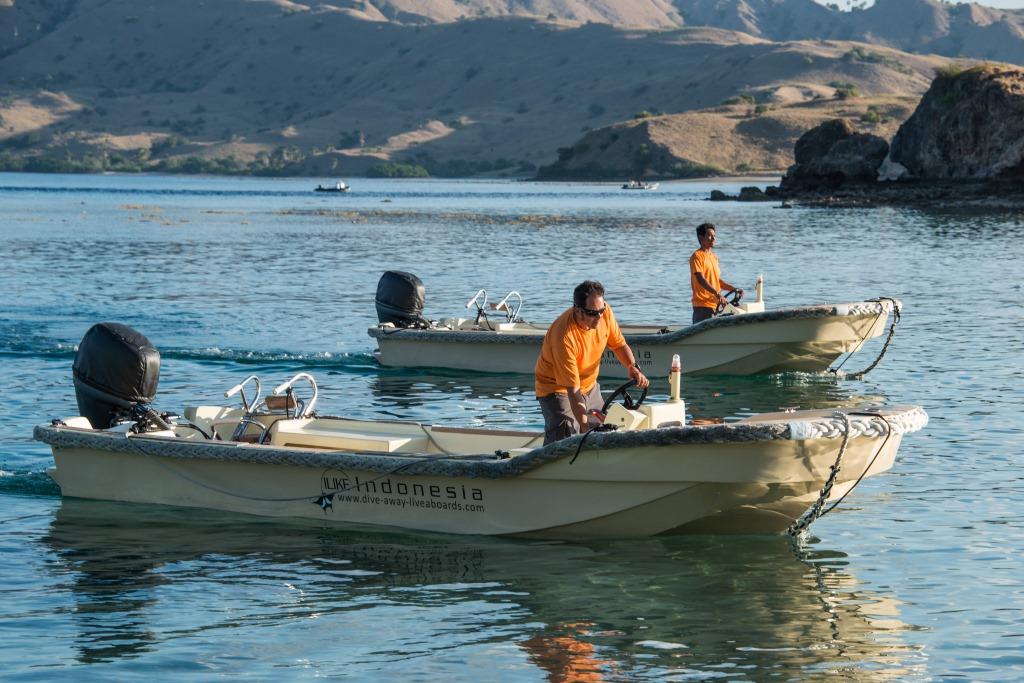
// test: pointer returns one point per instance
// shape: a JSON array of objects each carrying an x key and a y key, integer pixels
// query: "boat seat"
[
  {"x": 214, "y": 419},
  {"x": 300, "y": 434}
]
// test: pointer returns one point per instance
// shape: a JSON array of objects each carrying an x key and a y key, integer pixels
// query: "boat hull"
[
  {"x": 808, "y": 340},
  {"x": 753, "y": 487}
]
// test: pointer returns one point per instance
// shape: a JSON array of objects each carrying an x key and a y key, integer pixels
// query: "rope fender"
[
  {"x": 901, "y": 419},
  {"x": 817, "y": 510},
  {"x": 896, "y": 315}
]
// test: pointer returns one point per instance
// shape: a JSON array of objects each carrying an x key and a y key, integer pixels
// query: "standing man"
[
  {"x": 570, "y": 359},
  {"x": 705, "y": 278}
]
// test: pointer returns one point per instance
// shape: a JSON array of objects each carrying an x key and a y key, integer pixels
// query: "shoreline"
[
  {"x": 943, "y": 195},
  {"x": 767, "y": 178},
  {"x": 998, "y": 195}
]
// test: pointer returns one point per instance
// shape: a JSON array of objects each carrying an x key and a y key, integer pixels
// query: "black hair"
[
  {"x": 703, "y": 228},
  {"x": 584, "y": 290}
]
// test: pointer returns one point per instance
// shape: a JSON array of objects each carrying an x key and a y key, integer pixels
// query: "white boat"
[
  {"x": 639, "y": 185},
  {"x": 339, "y": 186},
  {"x": 276, "y": 457},
  {"x": 747, "y": 339}
]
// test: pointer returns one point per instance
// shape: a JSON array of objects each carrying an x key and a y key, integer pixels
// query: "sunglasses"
[{"x": 593, "y": 312}]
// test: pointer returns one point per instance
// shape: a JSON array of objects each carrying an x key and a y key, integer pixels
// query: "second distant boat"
[
  {"x": 639, "y": 185},
  {"x": 339, "y": 186}
]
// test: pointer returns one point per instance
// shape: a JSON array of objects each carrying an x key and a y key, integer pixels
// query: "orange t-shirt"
[
  {"x": 705, "y": 263},
  {"x": 571, "y": 355}
]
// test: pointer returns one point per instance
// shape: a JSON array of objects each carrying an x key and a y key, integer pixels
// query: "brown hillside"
[
  {"x": 329, "y": 88},
  {"x": 724, "y": 140}
]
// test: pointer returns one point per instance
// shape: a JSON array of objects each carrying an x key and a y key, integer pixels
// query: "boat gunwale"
[
  {"x": 881, "y": 306},
  {"x": 897, "y": 419}
]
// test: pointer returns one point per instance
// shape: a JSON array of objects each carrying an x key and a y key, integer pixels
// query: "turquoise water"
[{"x": 917, "y": 576}]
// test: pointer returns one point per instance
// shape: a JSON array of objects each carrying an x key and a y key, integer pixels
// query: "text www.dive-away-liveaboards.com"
[{"x": 401, "y": 494}]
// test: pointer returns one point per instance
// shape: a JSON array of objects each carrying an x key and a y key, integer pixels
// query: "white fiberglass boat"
[
  {"x": 339, "y": 186},
  {"x": 276, "y": 457},
  {"x": 639, "y": 185},
  {"x": 745, "y": 340}
]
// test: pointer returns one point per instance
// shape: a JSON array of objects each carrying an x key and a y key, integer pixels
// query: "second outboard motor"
[
  {"x": 400, "y": 298},
  {"x": 116, "y": 371}
]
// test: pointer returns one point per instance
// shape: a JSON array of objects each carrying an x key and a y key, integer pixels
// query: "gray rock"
[
  {"x": 816, "y": 142},
  {"x": 891, "y": 170},
  {"x": 968, "y": 126},
  {"x": 750, "y": 193},
  {"x": 832, "y": 154}
]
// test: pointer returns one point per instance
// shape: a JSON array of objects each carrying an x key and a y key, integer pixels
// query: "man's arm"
[
  {"x": 625, "y": 356},
  {"x": 578, "y": 403},
  {"x": 566, "y": 367},
  {"x": 731, "y": 288},
  {"x": 704, "y": 283}
]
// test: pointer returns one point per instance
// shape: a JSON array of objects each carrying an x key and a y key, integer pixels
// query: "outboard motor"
[
  {"x": 400, "y": 298},
  {"x": 116, "y": 373}
]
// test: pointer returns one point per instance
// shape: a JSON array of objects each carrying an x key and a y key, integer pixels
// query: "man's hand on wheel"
[{"x": 639, "y": 377}]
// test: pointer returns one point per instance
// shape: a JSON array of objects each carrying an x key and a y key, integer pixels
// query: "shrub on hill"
[
  {"x": 352, "y": 138},
  {"x": 949, "y": 70},
  {"x": 859, "y": 54},
  {"x": 393, "y": 170},
  {"x": 741, "y": 99},
  {"x": 460, "y": 168},
  {"x": 194, "y": 165},
  {"x": 844, "y": 90}
]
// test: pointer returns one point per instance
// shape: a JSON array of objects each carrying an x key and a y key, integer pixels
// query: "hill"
[
  {"x": 965, "y": 30},
  {"x": 734, "y": 139},
  {"x": 278, "y": 87}
]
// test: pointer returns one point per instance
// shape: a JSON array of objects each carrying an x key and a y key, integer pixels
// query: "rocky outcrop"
[
  {"x": 834, "y": 154},
  {"x": 963, "y": 145},
  {"x": 750, "y": 193},
  {"x": 969, "y": 126}
]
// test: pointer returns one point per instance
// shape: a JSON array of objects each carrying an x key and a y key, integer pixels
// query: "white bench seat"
[{"x": 299, "y": 434}]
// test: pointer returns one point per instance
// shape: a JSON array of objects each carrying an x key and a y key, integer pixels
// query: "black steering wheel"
[
  {"x": 737, "y": 294},
  {"x": 627, "y": 400}
]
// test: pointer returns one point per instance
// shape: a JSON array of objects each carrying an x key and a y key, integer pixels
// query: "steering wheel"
[
  {"x": 627, "y": 400},
  {"x": 735, "y": 301}
]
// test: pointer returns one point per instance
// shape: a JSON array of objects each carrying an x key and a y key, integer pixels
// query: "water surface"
[{"x": 916, "y": 577}]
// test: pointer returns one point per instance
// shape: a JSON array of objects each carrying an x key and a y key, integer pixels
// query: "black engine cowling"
[
  {"x": 115, "y": 370},
  {"x": 400, "y": 298}
]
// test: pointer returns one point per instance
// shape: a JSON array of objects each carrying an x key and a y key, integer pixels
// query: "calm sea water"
[{"x": 917, "y": 577}]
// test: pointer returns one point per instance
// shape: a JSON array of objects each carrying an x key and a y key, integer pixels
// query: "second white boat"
[{"x": 746, "y": 340}]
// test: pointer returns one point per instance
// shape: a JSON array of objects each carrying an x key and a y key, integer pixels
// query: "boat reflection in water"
[{"x": 165, "y": 582}]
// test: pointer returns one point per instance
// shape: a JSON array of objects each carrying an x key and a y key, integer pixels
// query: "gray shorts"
[
  {"x": 559, "y": 422},
  {"x": 701, "y": 313}
]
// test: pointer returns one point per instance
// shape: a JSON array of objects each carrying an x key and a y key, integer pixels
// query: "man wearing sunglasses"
[
  {"x": 570, "y": 359},
  {"x": 705, "y": 277}
]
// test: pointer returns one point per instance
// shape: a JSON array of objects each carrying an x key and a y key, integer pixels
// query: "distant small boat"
[
  {"x": 339, "y": 186},
  {"x": 639, "y": 185}
]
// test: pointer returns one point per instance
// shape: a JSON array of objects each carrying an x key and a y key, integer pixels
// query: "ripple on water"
[{"x": 915, "y": 577}]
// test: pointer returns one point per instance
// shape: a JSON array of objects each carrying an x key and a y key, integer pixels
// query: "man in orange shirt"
[
  {"x": 570, "y": 359},
  {"x": 705, "y": 277}
]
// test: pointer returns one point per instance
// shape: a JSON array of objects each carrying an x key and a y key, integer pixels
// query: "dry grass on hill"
[
  {"x": 300, "y": 82},
  {"x": 733, "y": 139}
]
